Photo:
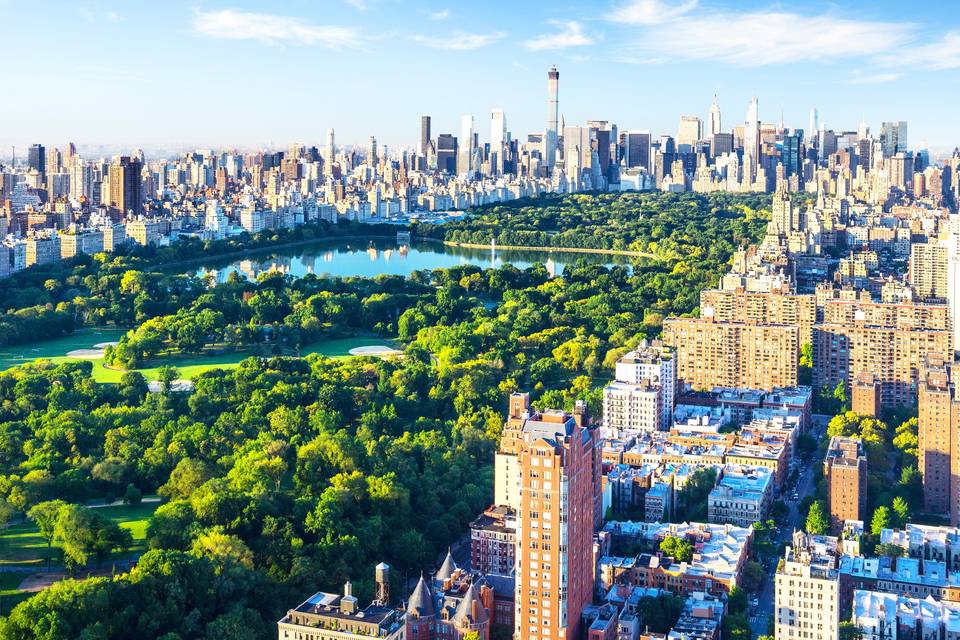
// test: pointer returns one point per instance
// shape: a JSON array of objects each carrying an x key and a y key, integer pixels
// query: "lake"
[{"x": 374, "y": 257}]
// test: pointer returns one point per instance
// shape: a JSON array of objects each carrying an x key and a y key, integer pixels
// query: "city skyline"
[{"x": 182, "y": 88}]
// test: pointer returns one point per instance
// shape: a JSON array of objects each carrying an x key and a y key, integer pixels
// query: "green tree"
[
  {"x": 901, "y": 511},
  {"x": 817, "y": 521},
  {"x": 881, "y": 520},
  {"x": 849, "y": 631},
  {"x": 45, "y": 516},
  {"x": 84, "y": 534}
]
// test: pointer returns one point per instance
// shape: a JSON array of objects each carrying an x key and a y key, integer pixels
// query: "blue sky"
[{"x": 212, "y": 73}]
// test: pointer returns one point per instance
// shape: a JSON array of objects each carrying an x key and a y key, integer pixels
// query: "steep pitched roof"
[{"x": 421, "y": 600}]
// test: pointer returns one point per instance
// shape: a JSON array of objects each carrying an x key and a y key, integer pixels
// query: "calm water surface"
[{"x": 372, "y": 258}]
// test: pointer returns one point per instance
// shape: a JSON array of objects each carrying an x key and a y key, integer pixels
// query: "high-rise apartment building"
[
  {"x": 938, "y": 451},
  {"x": 807, "y": 590},
  {"x": 550, "y": 140},
  {"x": 928, "y": 270},
  {"x": 125, "y": 189},
  {"x": 642, "y": 396},
  {"x": 329, "y": 153},
  {"x": 778, "y": 306},
  {"x": 465, "y": 155},
  {"x": 751, "y": 141},
  {"x": 712, "y": 353},
  {"x": 558, "y": 464},
  {"x": 447, "y": 153},
  {"x": 889, "y": 341},
  {"x": 845, "y": 468},
  {"x": 498, "y": 138}
]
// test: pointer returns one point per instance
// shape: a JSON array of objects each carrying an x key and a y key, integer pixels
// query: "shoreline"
[{"x": 513, "y": 247}]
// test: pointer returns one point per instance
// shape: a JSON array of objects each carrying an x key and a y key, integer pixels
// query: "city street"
[{"x": 805, "y": 486}]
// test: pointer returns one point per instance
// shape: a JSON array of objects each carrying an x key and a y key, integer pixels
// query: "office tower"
[
  {"x": 938, "y": 452},
  {"x": 845, "y": 468},
  {"x": 447, "y": 153},
  {"x": 329, "y": 153},
  {"x": 577, "y": 151},
  {"x": 893, "y": 138},
  {"x": 602, "y": 141},
  {"x": 807, "y": 590},
  {"x": 791, "y": 154},
  {"x": 558, "y": 470},
  {"x": 424, "y": 135},
  {"x": 37, "y": 158},
  {"x": 689, "y": 132},
  {"x": 715, "y": 124},
  {"x": 751, "y": 142},
  {"x": 81, "y": 179},
  {"x": 498, "y": 136},
  {"x": 928, "y": 270},
  {"x": 890, "y": 341},
  {"x": 711, "y": 353},
  {"x": 372, "y": 151},
  {"x": 465, "y": 156},
  {"x": 124, "y": 176},
  {"x": 636, "y": 151},
  {"x": 721, "y": 143},
  {"x": 550, "y": 150}
]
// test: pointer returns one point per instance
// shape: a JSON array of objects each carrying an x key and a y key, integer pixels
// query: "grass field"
[
  {"x": 187, "y": 366},
  {"x": 21, "y": 544},
  {"x": 10, "y": 595}
]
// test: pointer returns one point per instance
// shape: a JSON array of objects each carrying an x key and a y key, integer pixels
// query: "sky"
[{"x": 209, "y": 73}]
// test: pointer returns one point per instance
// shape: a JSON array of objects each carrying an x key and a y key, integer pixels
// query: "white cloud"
[
  {"x": 229, "y": 24},
  {"x": 761, "y": 38},
  {"x": 112, "y": 16},
  {"x": 650, "y": 11},
  {"x": 939, "y": 55},
  {"x": 358, "y": 4},
  {"x": 570, "y": 35},
  {"x": 460, "y": 40},
  {"x": 858, "y": 77},
  {"x": 443, "y": 14}
]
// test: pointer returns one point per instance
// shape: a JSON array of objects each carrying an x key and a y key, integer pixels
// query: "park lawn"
[
  {"x": 191, "y": 366},
  {"x": 11, "y": 356},
  {"x": 10, "y": 594},
  {"x": 22, "y": 545}
]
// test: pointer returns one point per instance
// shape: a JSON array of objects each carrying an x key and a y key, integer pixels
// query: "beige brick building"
[
  {"x": 771, "y": 307},
  {"x": 928, "y": 270},
  {"x": 711, "y": 353}
]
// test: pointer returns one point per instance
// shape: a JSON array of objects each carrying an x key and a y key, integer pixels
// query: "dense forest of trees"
[{"x": 287, "y": 475}]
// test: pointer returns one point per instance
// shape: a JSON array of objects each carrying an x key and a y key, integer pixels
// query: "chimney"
[{"x": 348, "y": 604}]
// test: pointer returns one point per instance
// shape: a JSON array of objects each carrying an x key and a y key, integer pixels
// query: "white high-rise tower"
[
  {"x": 814, "y": 124},
  {"x": 751, "y": 141},
  {"x": 715, "y": 126},
  {"x": 498, "y": 136},
  {"x": 329, "y": 153},
  {"x": 466, "y": 144},
  {"x": 550, "y": 142}
]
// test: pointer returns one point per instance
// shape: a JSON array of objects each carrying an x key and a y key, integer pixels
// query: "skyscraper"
[
  {"x": 37, "y": 158},
  {"x": 498, "y": 135},
  {"x": 465, "y": 154},
  {"x": 637, "y": 149},
  {"x": 556, "y": 479},
  {"x": 689, "y": 132},
  {"x": 372, "y": 151},
  {"x": 553, "y": 83},
  {"x": 124, "y": 176},
  {"x": 424, "y": 135},
  {"x": 329, "y": 153},
  {"x": 447, "y": 153},
  {"x": 893, "y": 138},
  {"x": 751, "y": 141},
  {"x": 813, "y": 126},
  {"x": 715, "y": 126}
]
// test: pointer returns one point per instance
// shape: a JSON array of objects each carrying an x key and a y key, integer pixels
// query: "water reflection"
[{"x": 384, "y": 257}]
